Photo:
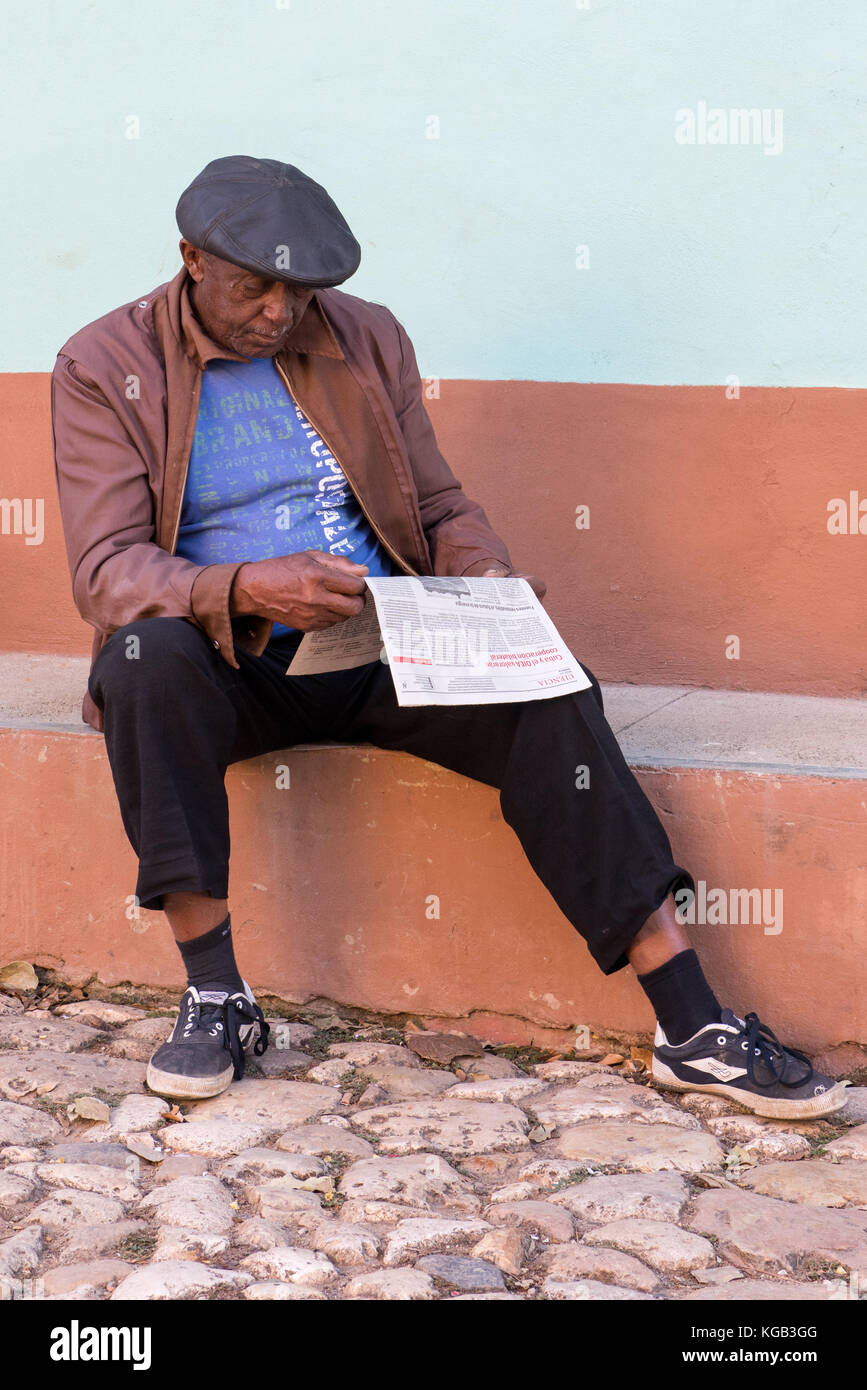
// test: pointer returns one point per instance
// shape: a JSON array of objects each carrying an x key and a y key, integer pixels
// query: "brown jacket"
[{"x": 124, "y": 400}]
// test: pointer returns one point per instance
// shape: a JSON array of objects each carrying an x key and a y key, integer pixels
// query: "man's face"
[{"x": 240, "y": 310}]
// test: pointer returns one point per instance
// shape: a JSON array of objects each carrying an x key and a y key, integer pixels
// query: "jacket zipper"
[{"x": 369, "y": 519}]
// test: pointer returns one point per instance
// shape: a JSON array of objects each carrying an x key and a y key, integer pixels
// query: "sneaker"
[
  {"x": 741, "y": 1059},
  {"x": 207, "y": 1049}
]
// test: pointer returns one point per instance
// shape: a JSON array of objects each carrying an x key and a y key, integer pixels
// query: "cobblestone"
[{"x": 431, "y": 1189}]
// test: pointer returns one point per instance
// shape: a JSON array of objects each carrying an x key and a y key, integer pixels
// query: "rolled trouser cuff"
[
  {"x": 155, "y": 880},
  {"x": 611, "y": 955}
]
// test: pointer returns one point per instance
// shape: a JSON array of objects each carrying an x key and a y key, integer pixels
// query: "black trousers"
[{"x": 176, "y": 715}]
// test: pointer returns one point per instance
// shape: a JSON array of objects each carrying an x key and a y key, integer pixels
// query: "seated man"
[{"x": 234, "y": 453}]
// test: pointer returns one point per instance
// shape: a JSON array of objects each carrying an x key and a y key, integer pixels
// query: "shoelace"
[
  {"x": 763, "y": 1042},
  {"x": 226, "y": 1018},
  {"x": 236, "y": 1010}
]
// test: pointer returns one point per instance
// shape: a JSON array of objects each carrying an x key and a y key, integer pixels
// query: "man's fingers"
[
  {"x": 337, "y": 574},
  {"x": 319, "y": 617},
  {"x": 539, "y": 587},
  {"x": 335, "y": 581},
  {"x": 343, "y": 606},
  {"x": 339, "y": 562}
]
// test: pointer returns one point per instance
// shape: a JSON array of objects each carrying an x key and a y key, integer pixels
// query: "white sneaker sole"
[
  {"x": 196, "y": 1087},
  {"x": 174, "y": 1087},
  {"x": 768, "y": 1107}
]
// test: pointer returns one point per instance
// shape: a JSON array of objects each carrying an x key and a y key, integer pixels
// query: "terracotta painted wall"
[
  {"x": 708, "y": 519},
  {"x": 350, "y": 921}
]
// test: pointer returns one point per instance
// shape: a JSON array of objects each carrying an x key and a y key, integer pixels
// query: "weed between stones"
[
  {"x": 815, "y": 1267},
  {"x": 110, "y": 1097},
  {"x": 356, "y": 1083},
  {"x": 526, "y": 1055},
  {"x": 51, "y": 1107},
  {"x": 831, "y": 1132},
  {"x": 137, "y": 1248},
  {"x": 570, "y": 1179},
  {"x": 319, "y": 1044},
  {"x": 338, "y": 1163}
]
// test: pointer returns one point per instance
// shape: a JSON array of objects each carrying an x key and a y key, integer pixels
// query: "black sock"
[
  {"x": 682, "y": 999},
  {"x": 210, "y": 960}
]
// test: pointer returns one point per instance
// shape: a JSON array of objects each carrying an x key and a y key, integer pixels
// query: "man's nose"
[{"x": 279, "y": 305}]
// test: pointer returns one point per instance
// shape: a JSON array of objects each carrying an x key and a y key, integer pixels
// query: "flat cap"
[{"x": 269, "y": 218}]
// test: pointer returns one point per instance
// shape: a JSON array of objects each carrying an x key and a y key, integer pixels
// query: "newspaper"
[
  {"x": 354, "y": 642},
  {"x": 450, "y": 641}
]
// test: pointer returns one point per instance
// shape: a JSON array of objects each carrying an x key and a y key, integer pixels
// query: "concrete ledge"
[
  {"x": 656, "y": 725},
  {"x": 336, "y": 878}
]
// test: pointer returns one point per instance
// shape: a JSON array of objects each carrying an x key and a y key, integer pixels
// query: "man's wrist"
[{"x": 241, "y": 600}]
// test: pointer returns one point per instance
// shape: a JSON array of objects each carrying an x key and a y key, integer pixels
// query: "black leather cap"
[{"x": 269, "y": 218}]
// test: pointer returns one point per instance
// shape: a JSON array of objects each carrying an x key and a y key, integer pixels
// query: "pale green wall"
[{"x": 556, "y": 128}]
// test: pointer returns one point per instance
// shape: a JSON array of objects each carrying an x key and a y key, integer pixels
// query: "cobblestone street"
[{"x": 350, "y": 1163}]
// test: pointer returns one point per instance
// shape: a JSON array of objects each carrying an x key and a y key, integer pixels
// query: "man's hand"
[
  {"x": 311, "y": 590},
  {"x": 539, "y": 587}
]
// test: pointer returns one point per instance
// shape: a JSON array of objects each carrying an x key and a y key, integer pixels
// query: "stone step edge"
[
  {"x": 637, "y": 761},
  {"x": 676, "y": 727}
]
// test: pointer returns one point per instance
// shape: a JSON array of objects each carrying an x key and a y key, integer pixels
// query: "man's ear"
[{"x": 193, "y": 259}]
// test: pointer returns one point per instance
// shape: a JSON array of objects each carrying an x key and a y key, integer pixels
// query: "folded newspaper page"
[
  {"x": 450, "y": 641},
  {"x": 354, "y": 642}
]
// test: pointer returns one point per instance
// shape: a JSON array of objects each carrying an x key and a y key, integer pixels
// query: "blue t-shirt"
[{"x": 261, "y": 482}]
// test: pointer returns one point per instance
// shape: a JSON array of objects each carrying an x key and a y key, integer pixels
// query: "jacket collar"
[{"x": 312, "y": 334}]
